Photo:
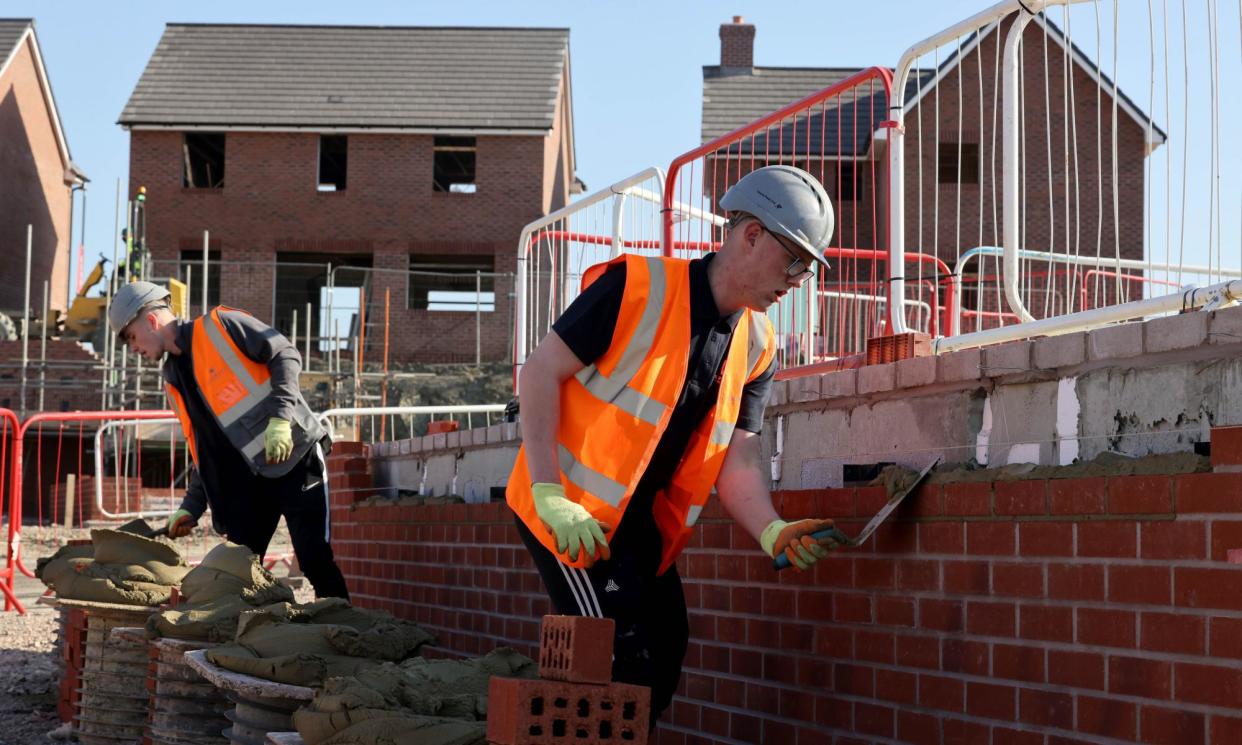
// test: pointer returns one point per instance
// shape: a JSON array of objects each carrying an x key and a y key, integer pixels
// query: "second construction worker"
[
  {"x": 258, "y": 449},
  {"x": 649, "y": 392}
]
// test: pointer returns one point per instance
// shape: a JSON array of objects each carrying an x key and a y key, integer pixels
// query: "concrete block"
[
  {"x": 1007, "y": 359},
  {"x": 1183, "y": 331},
  {"x": 454, "y": 439},
  {"x": 1225, "y": 326},
  {"x": 439, "y": 441},
  {"x": 468, "y": 437},
  {"x": 495, "y": 434},
  {"x": 780, "y": 393},
  {"x": 916, "y": 371},
  {"x": 428, "y": 443},
  {"x": 1115, "y": 342},
  {"x": 959, "y": 366},
  {"x": 416, "y": 445},
  {"x": 1060, "y": 351},
  {"x": 839, "y": 384},
  {"x": 406, "y": 447},
  {"x": 510, "y": 431},
  {"x": 803, "y": 389},
  {"x": 877, "y": 378}
]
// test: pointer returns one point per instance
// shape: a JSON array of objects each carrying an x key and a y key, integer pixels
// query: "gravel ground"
[
  {"x": 28, "y": 676},
  {"x": 29, "y": 670}
]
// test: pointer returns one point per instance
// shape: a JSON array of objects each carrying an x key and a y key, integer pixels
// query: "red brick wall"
[
  {"x": 1014, "y": 612},
  {"x": 32, "y": 190},
  {"x": 70, "y": 383},
  {"x": 269, "y": 203},
  {"x": 119, "y": 496}
]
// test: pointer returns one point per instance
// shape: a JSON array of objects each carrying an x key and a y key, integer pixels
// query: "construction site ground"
[{"x": 28, "y": 665}]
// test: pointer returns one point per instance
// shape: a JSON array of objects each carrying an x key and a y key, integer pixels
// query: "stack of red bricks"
[
  {"x": 349, "y": 473},
  {"x": 574, "y": 700}
]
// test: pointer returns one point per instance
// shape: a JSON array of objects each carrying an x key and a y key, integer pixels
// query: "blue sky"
[{"x": 636, "y": 66}]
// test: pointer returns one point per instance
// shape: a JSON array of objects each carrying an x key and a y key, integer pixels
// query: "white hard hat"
[
  {"x": 788, "y": 201},
  {"x": 130, "y": 299}
]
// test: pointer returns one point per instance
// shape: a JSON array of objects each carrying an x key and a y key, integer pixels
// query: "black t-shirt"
[{"x": 586, "y": 327}]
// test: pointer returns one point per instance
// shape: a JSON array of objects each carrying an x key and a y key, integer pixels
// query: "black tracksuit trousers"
[
  {"x": 301, "y": 496},
  {"x": 652, "y": 629}
]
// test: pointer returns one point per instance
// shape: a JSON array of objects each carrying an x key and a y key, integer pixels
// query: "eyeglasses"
[{"x": 799, "y": 268}]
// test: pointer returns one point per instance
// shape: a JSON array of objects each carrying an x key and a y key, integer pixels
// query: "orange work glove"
[
  {"x": 180, "y": 523},
  {"x": 795, "y": 541}
]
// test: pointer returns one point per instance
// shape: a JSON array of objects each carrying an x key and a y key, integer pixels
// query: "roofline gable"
[
  {"x": 46, "y": 87},
  {"x": 1153, "y": 134}
]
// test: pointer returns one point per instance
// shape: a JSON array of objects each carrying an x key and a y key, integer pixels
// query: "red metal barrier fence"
[
  {"x": 837, "y": 135},
  {"x": 39, "y": 478}
]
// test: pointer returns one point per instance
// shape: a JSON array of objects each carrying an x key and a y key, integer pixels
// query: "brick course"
[{"x": 1025, "y": 634}]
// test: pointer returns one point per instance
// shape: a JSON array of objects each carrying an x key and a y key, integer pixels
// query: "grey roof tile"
[
  {"x": 11, "y": 29},
  {"x": 351, "y": 76},
  {"x": 733, "y": 98}
]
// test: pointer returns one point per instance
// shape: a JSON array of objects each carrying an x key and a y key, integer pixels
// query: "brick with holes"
[
  {"x": 549, "y": 712},
  {"x": 576, "y": 649}
]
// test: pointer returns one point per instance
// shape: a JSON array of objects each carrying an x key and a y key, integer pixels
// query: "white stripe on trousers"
[
  {"x": 327, "y": 505},
  {"x": 580, "y": 586}
]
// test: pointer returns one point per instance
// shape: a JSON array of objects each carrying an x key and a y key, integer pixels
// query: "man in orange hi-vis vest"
[
  {"x": 258, "y": 449},
  {"x": 649, "y": 392}
]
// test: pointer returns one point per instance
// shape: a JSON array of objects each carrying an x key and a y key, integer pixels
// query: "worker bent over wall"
[{"x": 995, "y": 611}]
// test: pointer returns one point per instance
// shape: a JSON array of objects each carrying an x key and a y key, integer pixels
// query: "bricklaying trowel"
[{"x": 842, "y": 540}]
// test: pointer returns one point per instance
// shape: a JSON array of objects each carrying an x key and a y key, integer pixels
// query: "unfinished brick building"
[{"x": 393, "y": 149}]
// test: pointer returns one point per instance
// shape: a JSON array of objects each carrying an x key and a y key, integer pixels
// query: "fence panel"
[{"x": 838, "y": 135}]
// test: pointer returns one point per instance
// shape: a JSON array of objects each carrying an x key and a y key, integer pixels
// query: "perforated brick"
[
  {"x": 576, "y": 649},
  {"x": 549, "y": 712}
]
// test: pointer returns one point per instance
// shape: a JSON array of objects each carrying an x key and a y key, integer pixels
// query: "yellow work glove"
[
  {"x": 570, "y": 522},
  {"x": 180, "y": 523},
  {"x": 795, "y": 541},
  {"x": 278, "y": 440}
]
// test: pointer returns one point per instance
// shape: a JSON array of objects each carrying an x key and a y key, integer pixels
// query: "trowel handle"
[{"x": 834, "y": 533}]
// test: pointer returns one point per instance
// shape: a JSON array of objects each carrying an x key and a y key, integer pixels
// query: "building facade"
[{"x": 399, "y": 162}]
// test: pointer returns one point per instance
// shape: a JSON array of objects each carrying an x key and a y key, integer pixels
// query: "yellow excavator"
[{"x": 87, "y": 316}]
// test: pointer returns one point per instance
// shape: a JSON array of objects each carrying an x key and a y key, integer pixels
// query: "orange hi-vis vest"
[
  {"x": 235, "y": 389},
  {"x": 613, "y": 412}
]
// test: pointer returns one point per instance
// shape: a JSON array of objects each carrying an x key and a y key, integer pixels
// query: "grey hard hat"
[
  {"x": 788, "y": 201},
  {"x": 130, "y": 298}
]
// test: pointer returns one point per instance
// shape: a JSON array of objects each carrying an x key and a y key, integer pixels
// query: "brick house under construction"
[
  {"x": 393, "y": 149},
  {"x": 967, "y": 213}
]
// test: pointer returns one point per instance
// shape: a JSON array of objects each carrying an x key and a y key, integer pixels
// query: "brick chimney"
[{"x": 737, "y": 43}]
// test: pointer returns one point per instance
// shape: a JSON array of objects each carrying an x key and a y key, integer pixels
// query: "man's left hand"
[{"x": 278, "y": 440}]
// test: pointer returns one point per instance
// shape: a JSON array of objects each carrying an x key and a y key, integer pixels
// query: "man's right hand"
[
  {"x": 180, "y": 523},
  {"x": 575, "y": 530}
]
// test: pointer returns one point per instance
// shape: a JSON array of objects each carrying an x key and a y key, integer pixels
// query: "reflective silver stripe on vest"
[
  {"x": 614, "y": 389},
  {"x": 722, "y": 433},
  {"x": 256, "y": 392},
  {"x": 589, "y": 480},
  {"x": 626, "y": 399},
  {"x": 255, "y": 447},
  {"x": 692, "y": 516}
]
